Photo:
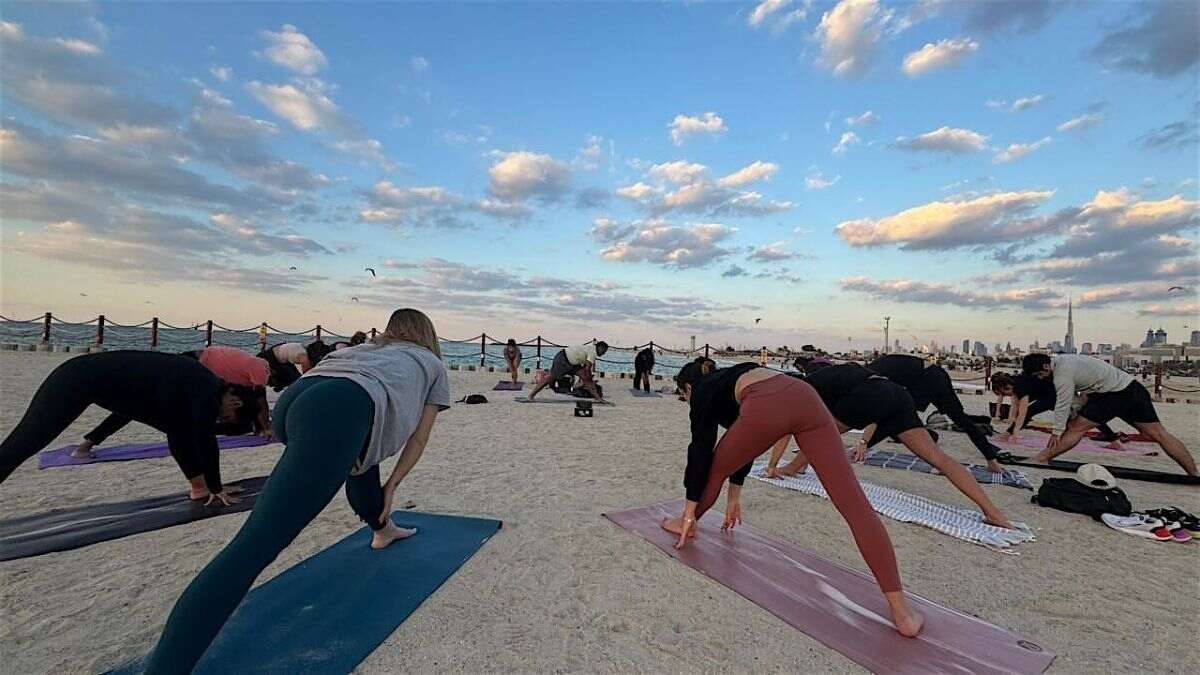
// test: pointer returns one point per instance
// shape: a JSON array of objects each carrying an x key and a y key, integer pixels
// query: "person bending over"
[
  {"x": 643, "y": 365},
  {"x": 757, "y": 406},
  {"x": 289, "y": 360},
  {"x": 569, "y": 362},
  {"x": 512, "y": 357},
  {"x": 338, "y": 423},
  {"x": 1111, "y": 392},
  {"x": 1030, "y": 397},
  {"x": 928, "y": 383},
  {"x": 173, "y": 394},
  {"x": 859, "y": 398}
]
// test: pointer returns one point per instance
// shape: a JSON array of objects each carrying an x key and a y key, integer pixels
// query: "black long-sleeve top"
[
  {"x": 174, "y": 394},
  {"x": 644, "y": 359},
  {"x": 931, "y": 384},
  {"x": 713, "y": 404}
]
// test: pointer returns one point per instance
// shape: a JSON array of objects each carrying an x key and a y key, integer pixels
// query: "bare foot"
[
  {"x": 1038, "y": 459},
  {"x": 675, "y": 526},
  {"x": 390, "y": 533},
  {"x": 84, "y": 451},
  {"x": 196, "y": 494},
  {"x": 908, "y": 623}
]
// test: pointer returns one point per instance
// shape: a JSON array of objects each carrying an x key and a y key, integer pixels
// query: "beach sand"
[{"x": 560, "y": 588}]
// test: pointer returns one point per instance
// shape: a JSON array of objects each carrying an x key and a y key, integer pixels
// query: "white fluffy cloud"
[
  {"x": 639, "y": 191},
  {"x": 1081, "y": 123},
  {"x": 774, "y": 14},
  {"x": 522, "y": 175},
  {"x": 947, "y": 140},
  {"x": 306, "y": 108},
  {"x": 848, "y": 139},
  {"x": 684, "y": 126},
  {"x": 949, "y": 224},
  {"x": 678, "y": 172},
  {"x": 768, "y": 253},
  {"x": 293, "y": 50},
  {"x": 908, "y": 290},
  {"x": 819, "y": 181},
  {"x": 667, "y": 245},
  {"x": 751, "y": 173},
  {"x": 1019, "y": 150},
  {"x": 222, "y": 73},
  {"x": 866, "y": 119},
  {"x": 849, "y": 35},
  {"x": 939, "y": 55}
]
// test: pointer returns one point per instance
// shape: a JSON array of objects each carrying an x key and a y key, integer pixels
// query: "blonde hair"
[{"x": 410, "y": 325}]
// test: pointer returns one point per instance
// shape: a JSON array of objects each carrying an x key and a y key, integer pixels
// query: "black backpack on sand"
[
  {"x": 473, "y": 399},
  {"x": 1068, "y": 494}
]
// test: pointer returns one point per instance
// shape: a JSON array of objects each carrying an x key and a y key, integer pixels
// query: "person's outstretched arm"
[{"x": 409, "y": 456}]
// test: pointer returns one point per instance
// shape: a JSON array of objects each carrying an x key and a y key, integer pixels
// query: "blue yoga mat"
[{"x": 328, "y": 613}]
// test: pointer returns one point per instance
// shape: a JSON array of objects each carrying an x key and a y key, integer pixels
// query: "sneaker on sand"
[{"x": 1139, "y": 525}]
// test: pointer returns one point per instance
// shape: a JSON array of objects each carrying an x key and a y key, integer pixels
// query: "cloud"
[
  {"x": 1114, "y": 221},
  {"x": 678, "y": 172},
  {"x": 1020, "y": 15},
  {"x": 419, "y": 64},
  {"x": 1024, "y": 103},
  {"x": 222, "y": 73},
  {"x": 1174, "y": 136},
  {"x": 819, "y": 181},
  {"x": 1170, "y": 259},
  {"x": 945, "y": 139},
  {"x": 293, "y": 50},
  {"x": 502, "y": 210},
  {"x": 639, "y": 191},
  {"x": 734, "y": 271},
  {"x": 866, "y": 119},
  {"x": 523, "y": 175},
  {"x": 849, "y": 35},
  {"x": 775, "y": 252},
  {"x": 306, "y": 108},
  {"x": 608, "y": 231},
  {"x": 684, "y": 126},
  {"x": 848, "y": 139},
  {"x": 593, "y": 153},
  {"x": 666, "y": 245},
  {"x": 999, "y": 217},
  {"x": 366, "y": 149},
  {"x": 1163, "y": 44},
  {"x": 592, "y": 198},
  {"x": 751, "y": 173},
  {"x": 1081, "y": 123},
  {"x": 921, "y": 292},
  {"x": 1019, "y": 150},
  {"x": 771, "y": 12},
  {"x": 939, "y": 56},
  {"x": 1191, "y": 309}
]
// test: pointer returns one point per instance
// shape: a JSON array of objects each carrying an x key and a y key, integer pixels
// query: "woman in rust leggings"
[{"x": 758, "y": 406}]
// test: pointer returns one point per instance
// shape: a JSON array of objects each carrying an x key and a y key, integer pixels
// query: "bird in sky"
[
  {"x": 354, "y": 299},
  {"x": 293, "y": 268},
  {"x": 83, "y": 295},
  {"x": 756, "y": 321},
  {"x": 370, "y": 269},
  {"x": 1176, "y": 288}
]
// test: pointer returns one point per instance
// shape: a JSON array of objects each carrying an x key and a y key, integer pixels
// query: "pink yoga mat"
[
  {"x": 839, "y": 606},
  {"x": 1038, "y": 442}
]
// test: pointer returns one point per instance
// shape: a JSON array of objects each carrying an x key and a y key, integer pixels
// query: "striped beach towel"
[
  {"x": 954, "y": 521},
  {"x": 902, "y": 460}
]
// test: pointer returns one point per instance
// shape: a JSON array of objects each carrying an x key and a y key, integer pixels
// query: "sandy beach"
[{"x": 561, "y": 589}]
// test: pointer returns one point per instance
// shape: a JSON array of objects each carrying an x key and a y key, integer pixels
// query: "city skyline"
[{"x": 784, "y": 172}]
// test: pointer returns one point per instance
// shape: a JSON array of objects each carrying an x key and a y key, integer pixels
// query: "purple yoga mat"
[
  {"x": 837, "y": 605},
  {"x": 123, "y": 453},
  {"x": 505, "y": 385}
]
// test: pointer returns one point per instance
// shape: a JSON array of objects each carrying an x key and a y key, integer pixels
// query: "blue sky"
[{"x": 616, "y": 170}]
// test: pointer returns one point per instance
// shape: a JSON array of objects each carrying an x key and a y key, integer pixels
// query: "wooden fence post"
[
  {"x": 100, "y": 330},
  {"x": 318, "y": 332},
  {"x": 1158, "y": 379},
  {"x": 372, "y": 334},
  {"x": 46, "y": 329},
  {"x": 208, "y": 334},
  {"x": 154, "y": 332},
  {"x": 987, "y": 373},
  {"x": 539, "y": 350},
  {"x": 706, "y": 350}
]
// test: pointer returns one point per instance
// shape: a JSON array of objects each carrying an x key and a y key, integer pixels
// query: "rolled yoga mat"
[
  {"x": 836, "y": 605},
  {"x": 1117, "y": 471},
  {"x": 328, "y": 613},
  {"x": 505, "y": 385},
  {"x": 68, "y": 529},
  {"x": 123, "y": 453}
]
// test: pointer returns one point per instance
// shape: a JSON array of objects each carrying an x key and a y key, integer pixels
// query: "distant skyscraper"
[
  {"x": 1149, "y": 341},
  {"x": 966, "y": 346},
  {"x": 953, "y": 349},
  {"x": 1055, "y": 347},
  {"x": 1069, "y": 340},
  {"x": 980, "y": 349},
  {"x": 1160, "y": 336},
  {"x": 1195, "y": 341},
  {"x": 1008, "y": 346},
  {"x": 1087, "y": 348},
  {"x": 897, "y": 344},
  {"x": 1104, "y": 348}
]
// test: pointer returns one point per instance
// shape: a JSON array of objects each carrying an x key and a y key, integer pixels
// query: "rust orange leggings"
[{"x": 783, "y": 406}]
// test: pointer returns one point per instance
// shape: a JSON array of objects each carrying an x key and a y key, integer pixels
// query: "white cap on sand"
[{"x": 1094, "y": 475}]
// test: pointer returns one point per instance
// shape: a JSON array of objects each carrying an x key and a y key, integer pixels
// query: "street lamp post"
[{"x": 887, "y": 320}]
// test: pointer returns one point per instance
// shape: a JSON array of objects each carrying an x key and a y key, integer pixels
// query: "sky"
[{"x": 778, "y": 173}]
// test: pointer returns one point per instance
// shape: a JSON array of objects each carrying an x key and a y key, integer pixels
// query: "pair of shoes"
[
  {"x": 1185, "y": 524},
  {"x": 1139, "y": 525}
]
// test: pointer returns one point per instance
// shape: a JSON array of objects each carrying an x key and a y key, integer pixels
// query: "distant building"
[
  {"x": 898, "y": 346},
  {"x": 1055, "y": 347},
  {"x": 1195, "y": 341},
  {"x": 966, "y": 346},
  {"x": 1154, "y": 337},
  {"x": 997, "y": 349},
  {"x": 1008, "y": 346},
  {"x": 953, "y": 349},
  {"x": 980, "y": 349},
  {"x": 1069, "y": 339},
  {"x": 1087, "y": 348},
  {"x": 1104, "y": 348}
]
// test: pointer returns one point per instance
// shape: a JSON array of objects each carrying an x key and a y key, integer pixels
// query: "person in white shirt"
[
  {"x": 572, "y": 361},
  {"x": 1110, "y": 392}
]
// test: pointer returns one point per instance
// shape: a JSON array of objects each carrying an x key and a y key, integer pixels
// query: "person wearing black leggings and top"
[
  {"x": 174, "y": 394},
  {"x": 861, "y": 399},
  {"x": 757, "y": 406},
  {"x": 349, "y": 413},
  {"x": 643, "y": 365}
]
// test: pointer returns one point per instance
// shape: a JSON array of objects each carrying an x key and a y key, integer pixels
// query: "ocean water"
[{"x": 187, "y": 339}]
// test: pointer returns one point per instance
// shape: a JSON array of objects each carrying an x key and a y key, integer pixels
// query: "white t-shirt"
[
  {"x": 401, "y": 379},
  {"x": 579, "y": 354}
]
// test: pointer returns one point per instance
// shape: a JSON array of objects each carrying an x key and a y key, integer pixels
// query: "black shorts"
[
  {"x": 282, "y": 374},
  {"x": 878, "y": 401},
  {"x": 561, "y": 367},
  {"x": 1132, "y": 404}
]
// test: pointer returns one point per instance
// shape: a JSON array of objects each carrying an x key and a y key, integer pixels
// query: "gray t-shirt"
[{"x": 401, "y": 379}]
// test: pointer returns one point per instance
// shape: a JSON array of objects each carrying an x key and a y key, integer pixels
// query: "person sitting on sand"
[
  {"x": 171, "y": 393},
  {"x": 512, "y": 358},
  {"x": 643, "y": 366},
  {"x": 347, "y": 415},
  {"x": 1029, "y": 397},
  {"x": 756, "y": 406},
  {"x": 859, "y": 398},
  {"x": 1111, "y": 392},
  {"x": 579, "y": 360},
  {"x": 929, "y": 383}
]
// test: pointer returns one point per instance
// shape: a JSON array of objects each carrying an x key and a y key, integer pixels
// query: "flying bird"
[
  {"x": 83, "y": 295},
  {"x": 757, "y": 320},
  {"x": 293, "y": 268},
  {"x": 370, "y": 269},
  {"x": 1176, "y": 288},
  {"x": 354, "y": 299}
]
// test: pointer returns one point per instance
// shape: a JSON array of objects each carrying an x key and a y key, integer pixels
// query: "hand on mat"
[
  {"x": 733, "y": 516},
  {"x": 772, "y": 472},
  {"x": 859, "y": 453},
  {"x": 268, "y": 434},
  {"x": 994, "y": 466},
  {"x": 1052, "y": 444},
  {"x": 223, "y": 497}
]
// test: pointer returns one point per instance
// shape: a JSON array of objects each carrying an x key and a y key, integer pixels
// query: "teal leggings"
[{"x": 325, "y": 423}]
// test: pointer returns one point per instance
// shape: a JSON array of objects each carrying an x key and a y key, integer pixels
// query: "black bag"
[
  {"x": 1068, "y": 494},
  {"x": 473, "y": 399},
  {"x": 582, "y": 392},
  {"x": 562, "y": 385}
]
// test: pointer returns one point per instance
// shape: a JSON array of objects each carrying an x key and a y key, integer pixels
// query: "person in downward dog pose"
[
  {"x": 579, "y": 360},
  {"x": 757, "y": 405},
  {"x": 174, "y": 394},
  {"x": 1111, "y": 392},
  {"x": 512, "y": 357},
  {"x": 861, "y": 399},
  {"x": 1030, "y": 397},
  {"x": 352, "y": 411}
]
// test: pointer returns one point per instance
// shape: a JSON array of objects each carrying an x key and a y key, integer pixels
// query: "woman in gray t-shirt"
[{"x": 353, "y": 410}]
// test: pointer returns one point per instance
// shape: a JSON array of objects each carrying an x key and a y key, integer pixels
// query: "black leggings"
[
  {"x": 1041, "y": 405},
  {"x": 642, "y": 375},
  {"x": 325, "y": 423}
]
